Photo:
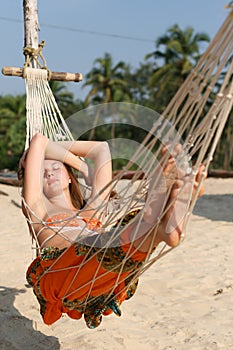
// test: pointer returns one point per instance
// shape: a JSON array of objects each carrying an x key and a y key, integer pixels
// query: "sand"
[{"x": 184, "y": 301}]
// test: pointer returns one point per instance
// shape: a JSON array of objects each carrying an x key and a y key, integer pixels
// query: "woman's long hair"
[{"x": 75, "y": 192}]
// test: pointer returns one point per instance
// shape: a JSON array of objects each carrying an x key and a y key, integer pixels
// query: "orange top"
[{"x": 92, "y": 223}]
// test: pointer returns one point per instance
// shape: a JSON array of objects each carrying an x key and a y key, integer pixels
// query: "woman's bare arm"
[
  {"x": 67, "y": 152},
  {"x": 33, "y": 174},
  {"x": 98, "y": 151}
]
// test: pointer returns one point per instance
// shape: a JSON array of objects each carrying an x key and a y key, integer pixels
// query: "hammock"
[{"x": 111, "y": 267}]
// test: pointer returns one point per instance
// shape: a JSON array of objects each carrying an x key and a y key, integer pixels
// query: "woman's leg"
[{"x": 180, "y": 189}]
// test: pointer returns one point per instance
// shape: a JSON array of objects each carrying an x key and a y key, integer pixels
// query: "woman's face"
[{"x": 55, "y": 179}]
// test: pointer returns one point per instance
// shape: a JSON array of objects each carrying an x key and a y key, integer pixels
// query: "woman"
[{"x": 69, "y": 276}]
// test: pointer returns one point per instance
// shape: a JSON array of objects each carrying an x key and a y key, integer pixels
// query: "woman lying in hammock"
[{"x": 73, "y": 274}]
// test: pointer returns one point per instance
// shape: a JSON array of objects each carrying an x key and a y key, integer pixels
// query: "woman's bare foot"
[{"x": 182, "y": 191}]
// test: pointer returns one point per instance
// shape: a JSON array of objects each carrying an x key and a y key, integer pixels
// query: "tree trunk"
[{"x": 31, "y": 24}]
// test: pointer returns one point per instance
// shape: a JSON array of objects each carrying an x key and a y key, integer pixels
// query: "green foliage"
[
  {"x": 176, "y": 54},
  {"x": 12, "y": 130},
  {"x": 107, "y": 81},
  {"x": 12, "y": 144}
]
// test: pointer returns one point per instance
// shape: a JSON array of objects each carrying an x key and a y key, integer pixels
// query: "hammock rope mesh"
[{"x": 198, "y": 123}]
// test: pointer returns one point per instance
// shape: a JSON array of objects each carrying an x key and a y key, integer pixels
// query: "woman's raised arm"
[
  {"x": 33, "y": 164},
  {"x": 67, "y": 152},
  {"x": 98, "y": 151}
]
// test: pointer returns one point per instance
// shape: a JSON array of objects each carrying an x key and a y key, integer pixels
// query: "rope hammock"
[{"x": 116, "y": 269}]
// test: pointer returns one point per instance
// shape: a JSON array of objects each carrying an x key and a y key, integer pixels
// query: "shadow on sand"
[
  {"x": 217, "y": 207},
  {"x": 16, "y": 331}
]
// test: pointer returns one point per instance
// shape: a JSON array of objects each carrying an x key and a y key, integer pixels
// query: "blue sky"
[{"x": 74, "y": 49}]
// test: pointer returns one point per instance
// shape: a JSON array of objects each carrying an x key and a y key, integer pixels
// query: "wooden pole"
[
  {"x": 31, "y": 29},
  {"x": 60, "y": 76},
  {"x": 31, "y": 25}
]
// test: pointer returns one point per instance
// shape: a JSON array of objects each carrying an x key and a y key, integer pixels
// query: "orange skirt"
[{"x": 81, "y": 280}]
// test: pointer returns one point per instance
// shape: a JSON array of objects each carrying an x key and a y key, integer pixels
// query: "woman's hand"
[{"x": 201, "y": 173}]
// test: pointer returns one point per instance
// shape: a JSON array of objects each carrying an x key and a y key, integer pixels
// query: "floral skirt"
[{"x": 83, "y": 280}]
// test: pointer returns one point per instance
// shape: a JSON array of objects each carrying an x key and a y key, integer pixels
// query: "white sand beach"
[{"x": 183, "y": 302}]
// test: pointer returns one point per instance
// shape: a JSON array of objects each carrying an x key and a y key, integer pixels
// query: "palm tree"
[
  {"x": 107, "y": 82},
  {"x": 177, "y": 52}
]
